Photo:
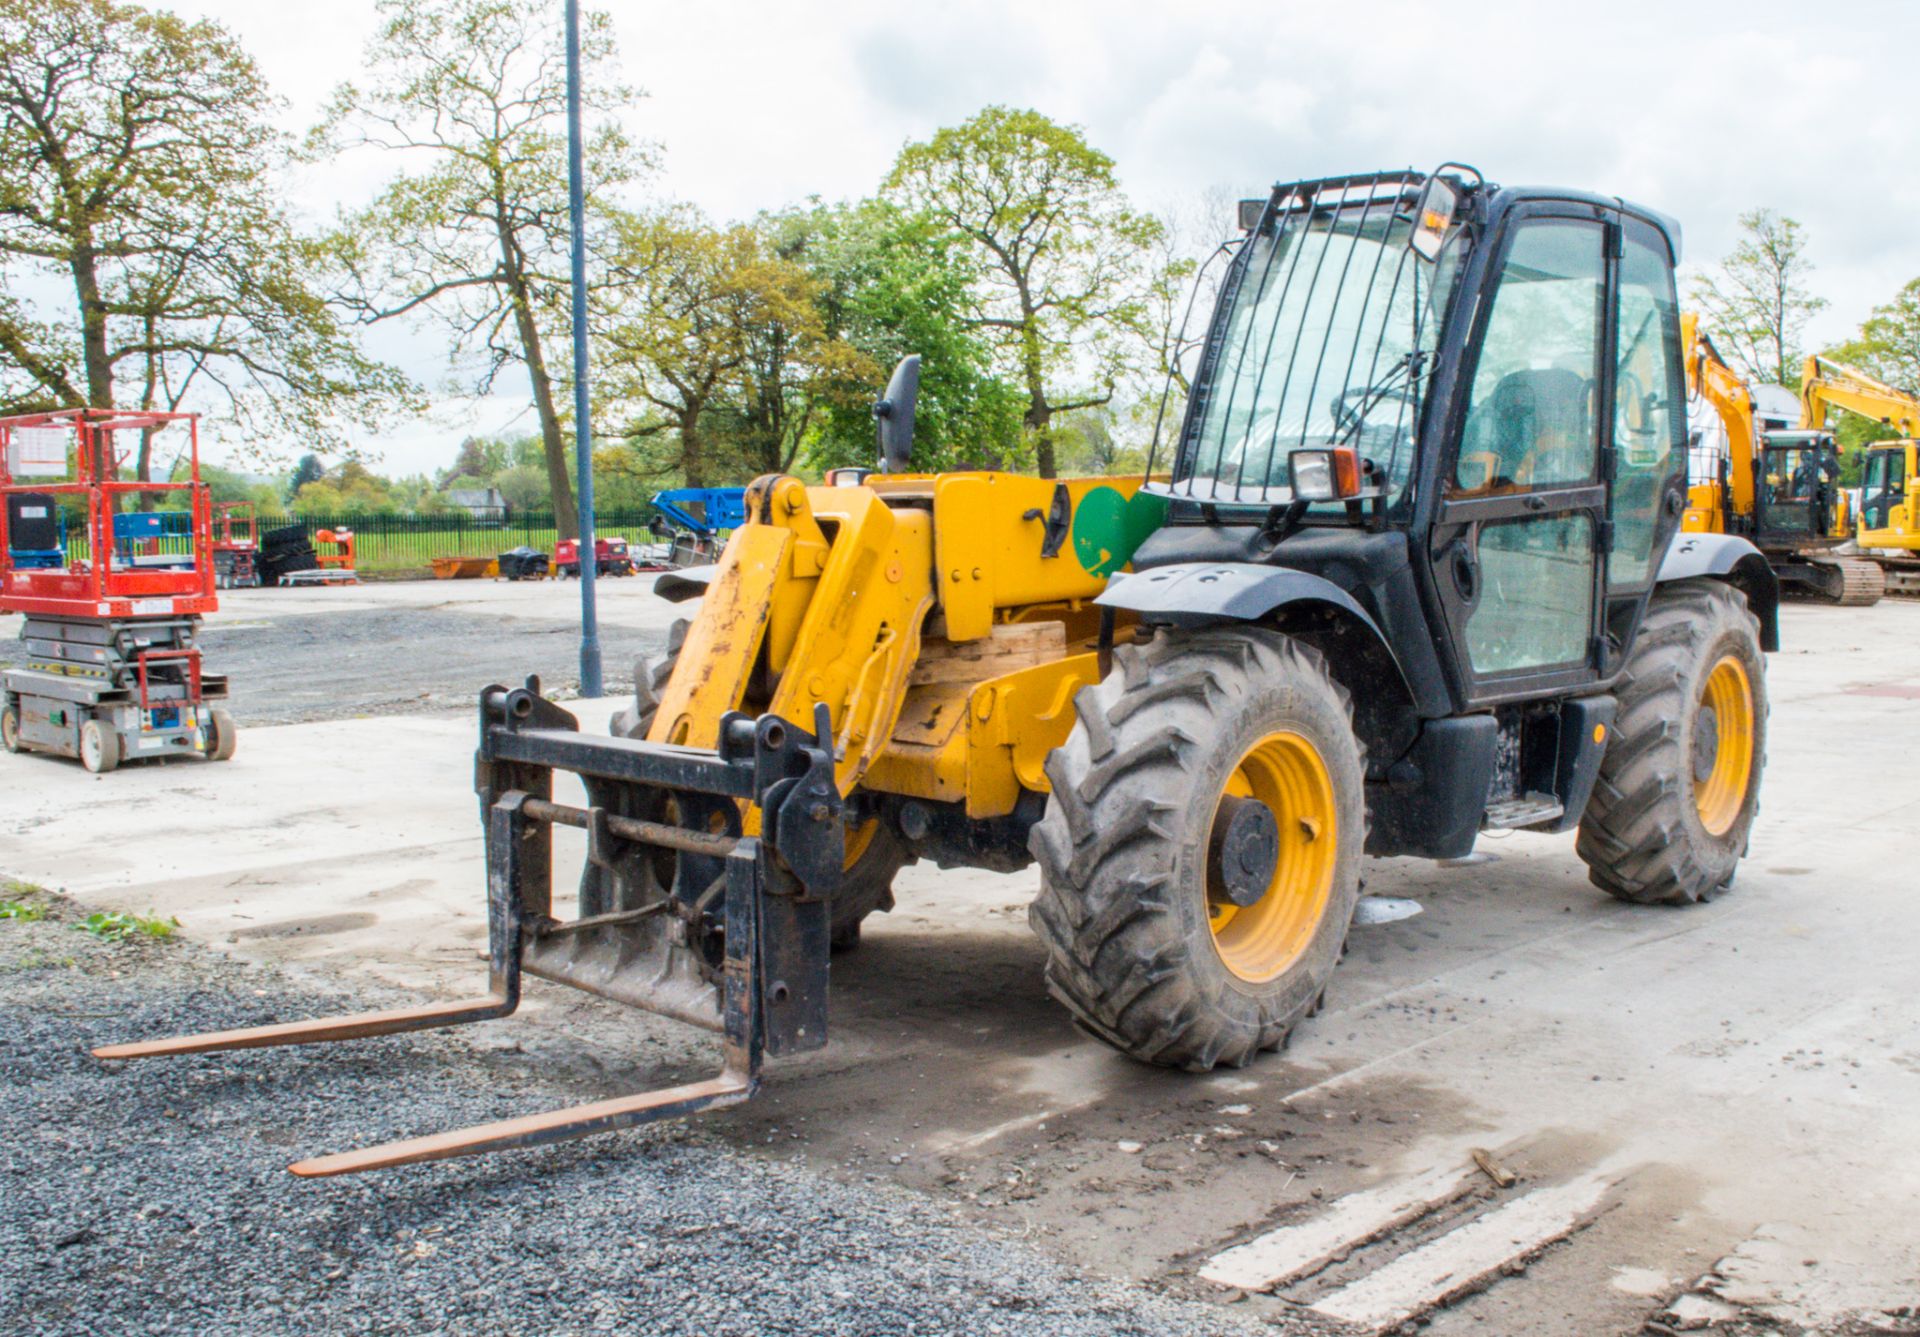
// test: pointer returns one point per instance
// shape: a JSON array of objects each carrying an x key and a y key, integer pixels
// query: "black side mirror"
[{"x": 895, "y": 416}]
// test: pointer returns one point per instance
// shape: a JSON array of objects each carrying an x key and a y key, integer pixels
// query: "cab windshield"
[{"x": 1329, "y": 330}]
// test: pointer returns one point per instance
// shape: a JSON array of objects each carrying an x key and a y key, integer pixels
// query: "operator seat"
[
  {"x": 1532, "y": 429},
  {"x": 1539, "y": 426}
]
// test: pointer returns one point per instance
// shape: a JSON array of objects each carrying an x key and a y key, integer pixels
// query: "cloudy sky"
[{"x": 1702, "y": 111}]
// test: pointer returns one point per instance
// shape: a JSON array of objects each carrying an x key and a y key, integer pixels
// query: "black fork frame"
[{"x": 770, "y": 992}]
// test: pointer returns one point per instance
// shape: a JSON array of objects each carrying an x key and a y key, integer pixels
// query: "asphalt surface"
[
  {"x": 153, "y": 1197},
  {"x": 376, "y": 661},
  {"x": 293, "y": 656}
]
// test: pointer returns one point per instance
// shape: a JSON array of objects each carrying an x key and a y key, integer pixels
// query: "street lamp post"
[{"x": 590, "y": 678}]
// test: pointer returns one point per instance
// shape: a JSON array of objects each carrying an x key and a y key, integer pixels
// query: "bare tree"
[
  {"x": 477, "y": 236},
  {"x": 137, "y": 165},
  {"x": 1759, "y": 301}
]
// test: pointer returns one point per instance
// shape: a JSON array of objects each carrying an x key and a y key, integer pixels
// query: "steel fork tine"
[
  {"x": 730, "y": 1087},
  {"x": 320, "y": 1030}
]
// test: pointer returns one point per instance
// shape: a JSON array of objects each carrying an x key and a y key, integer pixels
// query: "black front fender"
[
  {"x": 1358, "y": 653},
  {"x": 1192, "y": 593}
]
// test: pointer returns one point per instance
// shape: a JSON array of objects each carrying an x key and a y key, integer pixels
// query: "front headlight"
[
  {"x": 1325, "y": 475},
  {"x": 1312, "y": 475}
]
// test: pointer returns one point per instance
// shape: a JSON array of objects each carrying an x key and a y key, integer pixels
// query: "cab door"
[
  {"x": 1522, "y": 528},
  {"x": 1644, "y": 457},
  {"x": 1883, "y": 488}
]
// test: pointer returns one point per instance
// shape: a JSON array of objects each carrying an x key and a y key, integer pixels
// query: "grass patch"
[
  {"x": 22, "y": 911},
  {"x": 113, "y": 926}
]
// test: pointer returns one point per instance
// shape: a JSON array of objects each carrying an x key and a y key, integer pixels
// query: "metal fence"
[
  {"x": 402, "y": 542},
  {"x": 399, "y": 541}
]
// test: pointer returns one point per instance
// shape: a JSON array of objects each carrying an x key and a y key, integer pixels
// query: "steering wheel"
[{"x": 1347, "y": 416}]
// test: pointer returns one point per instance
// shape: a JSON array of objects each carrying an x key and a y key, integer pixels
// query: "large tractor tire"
[
  {"x": 875, "y": 852},
  {"x": 1200, "y": 854},
  {"x": 650, "y": 675},
  {"x": 1679, "y": 786}
]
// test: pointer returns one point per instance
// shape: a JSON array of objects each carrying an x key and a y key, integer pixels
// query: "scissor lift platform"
[
  {"x": 112, "y": 672},
  {"x": 108, "y": 690}
]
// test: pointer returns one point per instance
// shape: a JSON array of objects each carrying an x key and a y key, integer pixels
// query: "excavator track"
[
  {"x": 1902, "y": 576},
  {"x": 1853, "y": 582}
]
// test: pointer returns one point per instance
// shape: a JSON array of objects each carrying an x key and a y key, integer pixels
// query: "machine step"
[{"x": 1527, "y": 810}]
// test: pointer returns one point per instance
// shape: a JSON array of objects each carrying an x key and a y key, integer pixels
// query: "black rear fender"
[{"x": 1733, "y": 559}]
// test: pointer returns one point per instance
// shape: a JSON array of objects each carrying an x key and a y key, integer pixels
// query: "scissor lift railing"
[
  {"x": 107, "y": 582},
  {"x": 112, "y": 672}
]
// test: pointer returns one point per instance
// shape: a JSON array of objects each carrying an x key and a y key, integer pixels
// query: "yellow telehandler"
[{"x": 1415, "y": 572}]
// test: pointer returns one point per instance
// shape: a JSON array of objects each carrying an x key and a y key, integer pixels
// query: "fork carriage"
[{"x": 733, "y": 939}]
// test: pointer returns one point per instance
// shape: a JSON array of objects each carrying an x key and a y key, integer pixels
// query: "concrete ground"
[{"x": 1737, "y": 1083}]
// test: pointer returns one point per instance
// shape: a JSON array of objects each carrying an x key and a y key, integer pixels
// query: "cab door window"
[
  {"x": 1526, "y": 476},
  {"x": 1884, "y": 487},
  {"x": 1649, "y": 406},
  {"x": 1530, "y": 419}
]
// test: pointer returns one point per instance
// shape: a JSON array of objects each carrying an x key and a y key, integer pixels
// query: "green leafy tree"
[
  {"x": 308, "y": 470},
  {"x": 224, "y": 485},
  {"x": 620, "y": 480},
  {"x": 1063, "y": 257},
  {"x": 893, "y": 283},
  {"x": 1089, "y": 445},
  {"x": 1759, "y": 300},
  {"x": 710, "y": 340},
  {"x": 797, "y": 365},
  {"x": 524, "y": 487},
  {"x": 137, "y": 168},
  {"x": 351, "y": 489},
  {"x": 477, "y": 237},
  {"x": 477, "y": 458}
]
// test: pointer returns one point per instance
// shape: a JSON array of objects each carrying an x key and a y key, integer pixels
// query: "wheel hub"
[
  {"x": 1706, "y": 743},
  {"x": 1723, "y": 754},
  {"x": 1244, "y": 851}
]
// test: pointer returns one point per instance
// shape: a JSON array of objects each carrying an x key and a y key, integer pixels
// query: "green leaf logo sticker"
[{"x": 1108, "y": 527}]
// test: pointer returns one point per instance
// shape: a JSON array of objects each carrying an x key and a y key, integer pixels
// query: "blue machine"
[
  {"x": 704, "y": 511},
  {"x": 153, "y": 538}
]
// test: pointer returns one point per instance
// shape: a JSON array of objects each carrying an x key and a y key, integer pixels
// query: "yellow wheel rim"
[
  {"x": 1261, "y": 941},
  {"x": 1723, "y": 745},
  {"x": 857, "y": 841}
]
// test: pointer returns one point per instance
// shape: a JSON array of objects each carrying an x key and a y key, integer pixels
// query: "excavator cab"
[
  {"x": 1796, "y": 489},
  {"x": 1887, "y": 518}
]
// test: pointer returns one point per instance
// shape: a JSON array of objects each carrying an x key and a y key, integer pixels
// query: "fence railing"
[
  {"x": 395, "y": 542},
  {"x": 403, "y": 542}
]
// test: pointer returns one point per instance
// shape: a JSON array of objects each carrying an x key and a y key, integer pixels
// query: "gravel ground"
[{"x": 153, "y": 1197}]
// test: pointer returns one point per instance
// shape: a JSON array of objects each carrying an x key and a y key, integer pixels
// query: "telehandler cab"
[{"x": 1413, "y": 575}]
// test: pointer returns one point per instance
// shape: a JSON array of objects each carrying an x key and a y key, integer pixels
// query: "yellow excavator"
[
  {"x": 1778, "y": 488},
  {"x": 1888, "y": 524}
]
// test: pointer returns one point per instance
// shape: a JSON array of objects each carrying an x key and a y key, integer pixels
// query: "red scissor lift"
[
  {"x": 236, "y": 545},
  {"x": 111, "y": 671}
]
